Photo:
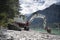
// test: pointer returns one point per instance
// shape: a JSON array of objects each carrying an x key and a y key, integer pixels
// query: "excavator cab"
[{"x": 20, "y": 21}]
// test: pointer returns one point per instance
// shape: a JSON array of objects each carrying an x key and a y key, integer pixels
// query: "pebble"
[{"x": 31, "y": 35}]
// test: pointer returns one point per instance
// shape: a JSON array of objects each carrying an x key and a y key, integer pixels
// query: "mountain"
[{"x": 52, "y": 14}]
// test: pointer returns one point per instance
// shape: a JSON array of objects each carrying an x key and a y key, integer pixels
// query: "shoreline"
[{"x": 30, "y": 35}]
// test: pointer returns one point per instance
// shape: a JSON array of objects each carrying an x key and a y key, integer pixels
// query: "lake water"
[{"x": 53, "y": 31}]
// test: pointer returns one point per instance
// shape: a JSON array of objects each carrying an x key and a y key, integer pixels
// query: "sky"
[{"x": 31, "y": 6}]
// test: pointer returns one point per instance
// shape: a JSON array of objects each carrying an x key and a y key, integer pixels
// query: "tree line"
[{"x": 8, "y": 9}]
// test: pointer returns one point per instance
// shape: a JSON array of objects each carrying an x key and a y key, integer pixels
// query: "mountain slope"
[{"x": 52, "y": 13}]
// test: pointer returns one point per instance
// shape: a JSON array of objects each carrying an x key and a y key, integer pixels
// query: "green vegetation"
[{"x": 8, "y": 9}]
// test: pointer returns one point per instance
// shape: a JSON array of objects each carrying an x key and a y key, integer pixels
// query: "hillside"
[{"x": 52, "y": 15}]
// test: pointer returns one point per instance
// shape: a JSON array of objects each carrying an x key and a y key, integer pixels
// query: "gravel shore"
[{"x": 30, "y": 35}]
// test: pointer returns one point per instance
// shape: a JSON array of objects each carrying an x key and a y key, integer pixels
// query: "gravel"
[{"x": 30, "y": 35}]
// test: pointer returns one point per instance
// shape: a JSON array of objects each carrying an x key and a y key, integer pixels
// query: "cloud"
[{"x": 30, "y": 6}]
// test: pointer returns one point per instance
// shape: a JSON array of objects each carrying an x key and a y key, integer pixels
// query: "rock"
[{"x": 31, "y": 35}]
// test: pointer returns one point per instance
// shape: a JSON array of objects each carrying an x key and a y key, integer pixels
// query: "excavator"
[{"x": 20, "y": 21}]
